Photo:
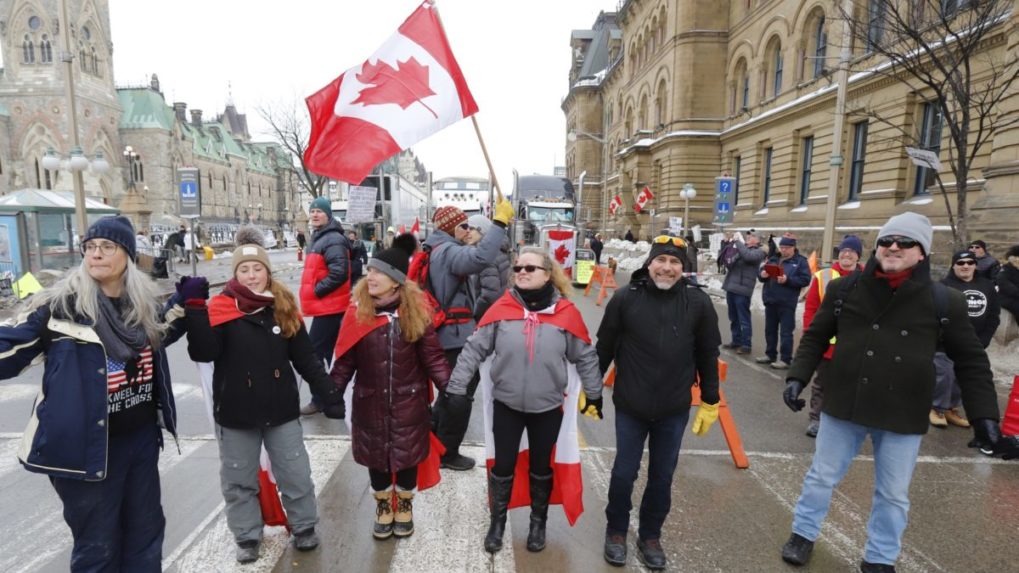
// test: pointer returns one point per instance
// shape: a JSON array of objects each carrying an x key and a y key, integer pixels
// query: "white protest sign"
[{"x": 361, "y": 204}]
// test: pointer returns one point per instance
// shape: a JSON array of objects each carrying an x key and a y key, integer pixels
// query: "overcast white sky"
[{"x": 514, "y": 54}]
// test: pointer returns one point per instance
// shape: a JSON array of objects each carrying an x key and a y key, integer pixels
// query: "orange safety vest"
[{"x": 824, "y": 276}]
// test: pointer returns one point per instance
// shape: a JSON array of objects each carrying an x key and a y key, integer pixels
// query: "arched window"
[
  {"x": 660, "y": 102},
  {"x": 820, "y": 47},
  {"x": 628, "y": 126},
  {"x": 45, "y": 50},
  {"x": 642, "y": 113},
  {"x": 775, "y": 65},
  {"x": 741, "y": 97},
  {"x": 28, "y": 50}
]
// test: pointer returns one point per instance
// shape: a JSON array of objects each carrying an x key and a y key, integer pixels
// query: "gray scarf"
[{"x": 122, "y": 342}]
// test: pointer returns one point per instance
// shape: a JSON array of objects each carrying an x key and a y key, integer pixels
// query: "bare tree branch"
[
  {"x": 950, "y": 54},
  {"x": 289, "y": 127}
]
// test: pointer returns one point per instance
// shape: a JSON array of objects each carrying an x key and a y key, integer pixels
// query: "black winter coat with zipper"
[
  {"x": 661, "y": 341},
  {"x": 254, "y": 385}
]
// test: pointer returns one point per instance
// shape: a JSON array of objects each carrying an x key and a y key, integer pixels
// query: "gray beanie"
[
  {"x": 480, "y": 222},
  {"x": 912, "y": 225}
]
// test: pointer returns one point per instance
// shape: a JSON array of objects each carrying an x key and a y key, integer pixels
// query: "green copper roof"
[{"x": 144, "y": 109}]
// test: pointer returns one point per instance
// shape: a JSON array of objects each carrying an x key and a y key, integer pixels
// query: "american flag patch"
[{"x": 117, "y": 372}]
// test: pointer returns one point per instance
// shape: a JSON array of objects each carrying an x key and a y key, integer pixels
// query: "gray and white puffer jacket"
[{"x": 519, "y": 383}]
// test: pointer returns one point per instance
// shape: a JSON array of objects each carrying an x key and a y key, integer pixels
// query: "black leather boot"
[
  {"x": 541, "y": 490},
  {"x": 499, "y": 490}
]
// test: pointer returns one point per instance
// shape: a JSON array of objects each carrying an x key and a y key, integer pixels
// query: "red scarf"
[
  {"x": 353, "y": 330},
  {"x": 565, "y": 316},
  {"x": 236, "y": 301},
  {"x": 895, "y": 280}
]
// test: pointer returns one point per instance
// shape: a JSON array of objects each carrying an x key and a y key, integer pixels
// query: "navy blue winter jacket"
[
  {"x": 67, "y": 431},
  {"x": 797, "y": 269}
]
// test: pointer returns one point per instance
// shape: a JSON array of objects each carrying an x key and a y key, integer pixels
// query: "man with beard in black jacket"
[
  {"x": 662, "y": 333},
  {"x": 984, "y": 311}
]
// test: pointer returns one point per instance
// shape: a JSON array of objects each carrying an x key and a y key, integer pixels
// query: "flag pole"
[{"x": 488, "y": 160}]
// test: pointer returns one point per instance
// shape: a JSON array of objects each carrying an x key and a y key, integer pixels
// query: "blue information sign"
[
  {"x": 724, "y": 194},
  {"x": 190, "y": 193}
]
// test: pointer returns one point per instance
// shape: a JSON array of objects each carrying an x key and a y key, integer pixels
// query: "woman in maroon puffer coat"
[{"x": 387, "y": 339}]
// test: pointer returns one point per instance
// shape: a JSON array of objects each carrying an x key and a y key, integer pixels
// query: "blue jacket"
[
  {"x": 67, "y": 431},
  {"x": 797, "y": 269}
]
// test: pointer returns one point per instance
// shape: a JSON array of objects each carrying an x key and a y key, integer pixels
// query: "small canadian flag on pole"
[
  {"x": 614, "y": 205},
  {"x": 416, "y": 227},
  {"x": 643, "y": 197},
  {"x": 410, "y": 88}
]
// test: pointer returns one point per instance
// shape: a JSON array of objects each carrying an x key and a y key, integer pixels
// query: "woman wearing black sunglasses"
[{"x": 534, "y": 352}]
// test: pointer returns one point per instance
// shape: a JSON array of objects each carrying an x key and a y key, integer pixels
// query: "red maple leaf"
[
  {"x": 403, "y": 86},
  {"x": 561, "y": 254}
]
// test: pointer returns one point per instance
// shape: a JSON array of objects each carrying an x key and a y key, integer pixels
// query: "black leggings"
[
  {"x": 542, "y": 431},
  {"x": 406, "y": 479}
]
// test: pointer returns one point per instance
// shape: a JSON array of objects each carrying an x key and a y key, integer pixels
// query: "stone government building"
[
  {"x": 668, "y": 92},
  {"x": 241, "y": 180}
]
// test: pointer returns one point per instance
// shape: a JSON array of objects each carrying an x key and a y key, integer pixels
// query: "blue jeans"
[
  {"x": 838, "y": 441},
  {"x": 779, "y": 318},
  {"x": 664, "y": 437},
  {"x": 118, "y": 523},
  {"x": 947, "y": 394},
  {"x": 739, "y": 319}
]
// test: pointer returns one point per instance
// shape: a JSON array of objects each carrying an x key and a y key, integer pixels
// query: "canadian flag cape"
[
  {"x": 410, "y": 88},
  {"x": 352, "y": 331},
  {"x": 562, "y": 246},
  {"x": 223, "y": 309},
  {"x": 567, "y": 482}
]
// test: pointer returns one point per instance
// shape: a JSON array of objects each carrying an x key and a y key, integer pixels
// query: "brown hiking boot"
[
  {"x": 956, "y": 419},
  {"x": 383, "y": 527},
  {"x": 938, "y": 419},
  {"x": 404, "y": 522}
]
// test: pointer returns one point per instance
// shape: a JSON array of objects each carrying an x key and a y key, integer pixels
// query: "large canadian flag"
[
  {"x": 410, "y": 88},
  {"x": 643, "y": 197},
  {"x": 562, "y": 246},
  {"x": 614, "y": 205}
]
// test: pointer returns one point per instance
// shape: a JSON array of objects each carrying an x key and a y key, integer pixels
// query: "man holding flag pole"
[{"x": 410, "y": 88}]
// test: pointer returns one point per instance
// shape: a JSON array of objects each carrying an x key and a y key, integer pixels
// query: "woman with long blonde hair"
[
  {"x": 253, "y": 332},
  {"x": 95, "y": 426},
  {"x": 389, "y": 342}
]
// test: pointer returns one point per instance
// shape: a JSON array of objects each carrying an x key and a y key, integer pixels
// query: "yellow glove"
[
  {"x": 503, "y": 212},
  {"x": 706, "y": 415},
  {"x": 590, "y": 408}
]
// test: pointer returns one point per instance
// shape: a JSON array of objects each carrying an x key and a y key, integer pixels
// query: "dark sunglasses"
[
  {"x": 964, "y": 263},
  {"x": 527, "y": 268},
  {"x": 903, "y": 242},
  {"x": 464, "y": 226},
  {"x": 663, "y": 239}
]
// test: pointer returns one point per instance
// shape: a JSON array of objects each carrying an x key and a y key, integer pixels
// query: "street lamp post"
[
  {"x": 67, "y": 57},
  {"x": 130, "y": 155},
  {"x": 836, "y": 161},
  {"x": 76, "y": 162},
  {"x": 686, "y": 193},
  {"x": 572, "y": 137}
]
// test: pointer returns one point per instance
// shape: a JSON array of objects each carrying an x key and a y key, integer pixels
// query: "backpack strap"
[
  {"x": 848, "y": 284},
  {"x": 940, "y": 292}
]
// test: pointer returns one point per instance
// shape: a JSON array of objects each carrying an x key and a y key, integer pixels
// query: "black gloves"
[
  {"x": 791, "y": 395},
  {"x": 458, "y": 406},
  {"x": 334, "y": 407},
  {"x": 592, "y": 408},
  {"x": 192, "y": 288},
  {"x": 986, "y": 436}
]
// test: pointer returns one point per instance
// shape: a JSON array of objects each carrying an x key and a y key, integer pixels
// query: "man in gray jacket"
[
  {"x": 739, "y": 284},
  {"x": 451, "y": 264}
]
